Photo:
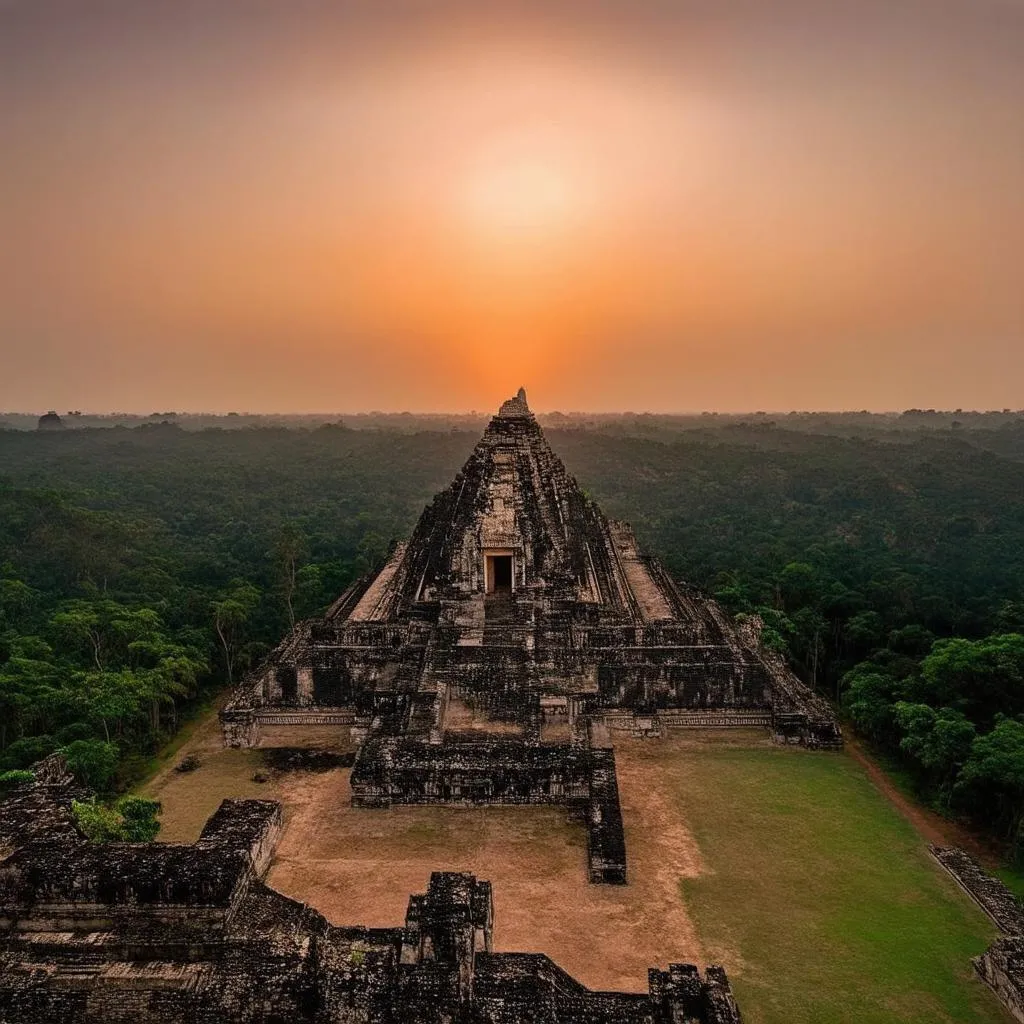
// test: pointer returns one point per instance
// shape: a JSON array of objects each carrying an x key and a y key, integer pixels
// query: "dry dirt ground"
[
  {"x": 797, "y": 945},
  {"x": 189, "y": 799},
  {"x": 460, "y": 717},
  {"x": 358, "y": 866}
]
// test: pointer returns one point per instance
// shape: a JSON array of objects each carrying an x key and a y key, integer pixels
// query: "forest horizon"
[{"x": 21, "y": 418}]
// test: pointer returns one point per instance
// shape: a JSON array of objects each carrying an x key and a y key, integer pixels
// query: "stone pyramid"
[{"x": 515, "y": 592}]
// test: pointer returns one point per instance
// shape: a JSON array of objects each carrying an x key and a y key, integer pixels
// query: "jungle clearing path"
[{"x": 931, "y": 826}]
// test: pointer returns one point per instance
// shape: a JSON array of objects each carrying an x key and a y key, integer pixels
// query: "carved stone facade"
[
  {"x": 517, "y": 598},
  {"x": 169, "y": 934},
  {"x": 516, "y": 594}
]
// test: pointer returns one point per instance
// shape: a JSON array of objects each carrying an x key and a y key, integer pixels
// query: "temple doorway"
[{"x": 498, "y": 573}]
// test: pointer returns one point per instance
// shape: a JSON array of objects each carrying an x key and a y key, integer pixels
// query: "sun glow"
[
  {"x": 521, "y": 196},
  {"x": 522, "y": 193}
]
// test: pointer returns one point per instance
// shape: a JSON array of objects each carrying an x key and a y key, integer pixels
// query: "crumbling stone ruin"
[
  {"x": 1001, "y": 966},
  {"x": 515, "y": 598},
  {"x": 171, "y": 934}
]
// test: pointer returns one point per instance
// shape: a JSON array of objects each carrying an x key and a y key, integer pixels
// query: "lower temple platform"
[{"x": 192, "y": 934}]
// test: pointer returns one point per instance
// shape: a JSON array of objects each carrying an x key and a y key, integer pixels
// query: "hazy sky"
[{"x": 315, "y": 205}]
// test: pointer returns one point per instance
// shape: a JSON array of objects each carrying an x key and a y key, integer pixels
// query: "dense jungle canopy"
[{"x": 144, "y": 566}]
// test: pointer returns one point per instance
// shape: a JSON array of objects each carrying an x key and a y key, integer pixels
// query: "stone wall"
[
  {"x": 192, "y": 935},
  {"x": 1002, "y": 968},
  {"x": 988, "y": 892},
  {"x": 398, "y": 770},
  {"x": 1002, "y": 964},
  {"x": 606, "y": 838},
  {"x": 589, "y": 615}
]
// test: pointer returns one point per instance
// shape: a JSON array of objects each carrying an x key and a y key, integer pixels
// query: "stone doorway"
[{"x": 498, "y": 572}]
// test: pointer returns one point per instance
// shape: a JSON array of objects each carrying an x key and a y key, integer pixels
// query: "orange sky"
[{"x": 321, "y": 206}]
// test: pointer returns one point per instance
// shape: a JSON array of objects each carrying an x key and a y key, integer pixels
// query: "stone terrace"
[{"x": 174, "y": 933}]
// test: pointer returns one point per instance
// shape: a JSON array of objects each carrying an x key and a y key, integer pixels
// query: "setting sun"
[
  {"x": 350, "y": 203},
  {"x": 523, "y": 196}
]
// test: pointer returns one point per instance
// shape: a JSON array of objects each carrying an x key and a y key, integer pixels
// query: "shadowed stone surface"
[
  {"x": 1002, "y": 964},
  {"x": 169, "y": 934},
  {"x": 516, "y": 597},
  {"x": 587, "y": 617}
]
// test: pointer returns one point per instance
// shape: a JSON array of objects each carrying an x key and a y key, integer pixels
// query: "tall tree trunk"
[
  {"x": 290, "y": 585},
  {"x": 227, "y": 650},
  {"x": 814, "y": 668}
]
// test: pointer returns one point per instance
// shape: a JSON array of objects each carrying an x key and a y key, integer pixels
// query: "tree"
[
  {"x": 17, "y": 599},
  {"x": 140, "y": 818},
  {"x": 92, "y": 762},
  {"x": 914, "y": 641},
  {"x": 110, "y": 698},
  {"x": 371, "y": 552},
  {"x": 29, "y": 749},
  {"x": 309, "y": 589},
  {"x": 166, "y": 672},
  {"x": 776, "y": 629},
  {"x": 289, "y": 549},
  {"x": 982, "y": 678},
  {"x": 798, "y": 585},
  {"x": 732, "y": 591},
  {"x": 869, "y": 700},
  {"x": 132, "y": 819},
  {"x": 810, "y": 628},
  {"x": 991, "y": 783},
  {"x": 79, "y": 624},
  {"x": 30, "y": 684},
  {"x": 865, "y": 631},
  {"x": 938, "y": 741},
  {"x": 105, "y": 628},
  {"x": 231, "y": 614},
  {"x": 1010, "y": 616},
  {"x": 14, "y": 706}
]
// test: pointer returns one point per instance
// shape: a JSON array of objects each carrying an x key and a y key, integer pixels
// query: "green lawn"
[
  {"x": 1014, "y": 879},
  {"x": 822, "y": 898}
]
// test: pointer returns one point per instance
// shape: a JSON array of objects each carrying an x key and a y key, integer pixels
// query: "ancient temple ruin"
[
  {"x": 517, "y": 607},
  {"x": 123, "y": 933},
  {"x": 491, "y": 660},
  {"x": 515, "y": 594}
]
